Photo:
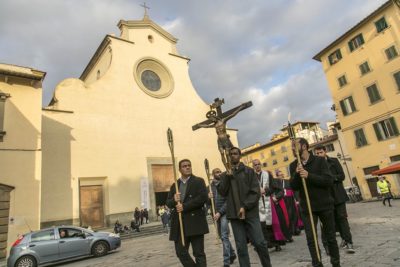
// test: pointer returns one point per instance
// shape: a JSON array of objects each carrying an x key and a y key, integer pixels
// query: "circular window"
[
  {"x": 154, "y": 78},
  {"x": 151, "y": 80}
]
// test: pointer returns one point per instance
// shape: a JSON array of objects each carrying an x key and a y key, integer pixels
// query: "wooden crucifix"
[{"x": 217, "y": 119}]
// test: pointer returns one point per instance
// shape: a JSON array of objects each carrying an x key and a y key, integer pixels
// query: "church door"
[
  {"x": 4, "y": 218},
  {"x": 91, "y": 206},
  {"x": 163, "y": 178}
]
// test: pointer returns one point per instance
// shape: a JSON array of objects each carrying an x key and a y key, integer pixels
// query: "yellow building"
[
  {"x": 20, "y": 152},
  {"x": 362, "y": 68},
  {"x": 277, "y": 154}
]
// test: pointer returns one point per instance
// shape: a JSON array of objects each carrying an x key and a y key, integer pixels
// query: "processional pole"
[
  {"x": 207, "y": 167},
  {"x": 171, "y": 148},
  {"x": 292, "y": 136}
]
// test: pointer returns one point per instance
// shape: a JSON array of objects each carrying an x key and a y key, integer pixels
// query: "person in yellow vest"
[{"x": 383, "y": 187}]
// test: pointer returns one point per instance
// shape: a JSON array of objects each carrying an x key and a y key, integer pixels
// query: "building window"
[
  {"x": 364, "y": 68},
  {"x": 3, "y": 98},
  {"x": 386, "y": 129},
  {"x": 369, "y": 170},
  {"x": 381, "y": 24},
  {"x": 335, "y": 57},
  {"x": 342, "y": 81},
  {"x": 283, "y": 148},
  {"x": 273, "y": 153},
  {"x": 274, "y": 162},
  {"x": 347, "y": 105},
  {"x": 397, "y": 79},
  {"x": 43, "y": 236},
  {"x": 265, "y": 164},
  {"x": 329, "y": 148},
  {"x": 285, "y": 158},
  {"x": 373, "y": 93},
  {"x": 356, "y": 42},
  {"x": 395, "y": 158},
  {"x": 360, "y": 138},
  {"x": 391, "y": 52}
]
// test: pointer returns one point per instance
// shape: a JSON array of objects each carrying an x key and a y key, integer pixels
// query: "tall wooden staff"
[
  {"x": 207, "y": 167},
  {"x": 171, "y": 148},
  {"x": 293, "y": 138}
]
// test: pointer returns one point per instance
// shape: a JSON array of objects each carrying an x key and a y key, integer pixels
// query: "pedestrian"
[
  {"x": 189, "y": 201},
  {"x": 296, "y": 224},
  {"x": 242, "y": 190},
  {"x": 228, "y": 252},
  {"x": 158, "y": 212},
  {"x": 340, "y": 197},
  {"x": 273, "y": 215},
  {"x": 383, "y": 187},
  {"x": 136, "y": 215},
  {"x": 141, "y": 216},
  {"x": 319, "y": 182},
  {"x": 146, "y": 215}
]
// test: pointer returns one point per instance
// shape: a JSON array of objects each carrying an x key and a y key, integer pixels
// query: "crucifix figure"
[{"x": 216, "y": 119}]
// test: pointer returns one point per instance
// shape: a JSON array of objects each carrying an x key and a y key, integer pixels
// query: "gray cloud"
[{"x": 240, "y": 50}]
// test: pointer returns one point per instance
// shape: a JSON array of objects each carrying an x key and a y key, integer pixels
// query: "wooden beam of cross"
[{"x": 217, "y": 112}]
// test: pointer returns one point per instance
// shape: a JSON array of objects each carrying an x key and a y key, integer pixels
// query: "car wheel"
[
  {"x": 26, "y": 261},
  {"x": 100, "y": 249}
]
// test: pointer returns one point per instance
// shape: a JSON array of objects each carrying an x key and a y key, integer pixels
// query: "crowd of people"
[{"x": 264, "y": 209}]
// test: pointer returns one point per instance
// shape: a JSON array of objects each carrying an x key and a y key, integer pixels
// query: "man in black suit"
[
  {"x": 340, "y": 197},
  {"x": 319, "y": 181},
  {"x": 192, "y": 196},
  {"x": 242, "y": 190}
]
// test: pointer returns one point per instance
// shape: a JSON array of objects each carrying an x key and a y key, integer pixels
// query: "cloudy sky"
[{"x": 254, "y": 50}]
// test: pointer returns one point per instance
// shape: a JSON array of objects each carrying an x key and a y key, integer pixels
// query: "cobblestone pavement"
[{"x": 375, "y": 229}]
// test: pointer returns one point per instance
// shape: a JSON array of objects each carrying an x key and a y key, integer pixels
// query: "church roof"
[
  {"x": 146, "y": 23},
  {"x": 23, "y": 72}
]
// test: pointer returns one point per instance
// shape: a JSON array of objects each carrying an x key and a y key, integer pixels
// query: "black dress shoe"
[
  {"x": 232, "y": 259},
  {"x": 278, "y": 248}
]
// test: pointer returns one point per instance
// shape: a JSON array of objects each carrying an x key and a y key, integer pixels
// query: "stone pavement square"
[{"x": 375, "y": 229}]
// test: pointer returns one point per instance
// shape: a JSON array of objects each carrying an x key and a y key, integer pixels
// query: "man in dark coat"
[
  {"x": 191, "y": 197},
  {"x": 340, "y": 197},
  {"x": 242, "y": 190},
  {"x": 319, "y": 182}
]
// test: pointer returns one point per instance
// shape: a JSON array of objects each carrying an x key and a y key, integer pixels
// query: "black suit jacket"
[
  {"x": 193, "y": 215},
  {"x": 338, "y": 191}
]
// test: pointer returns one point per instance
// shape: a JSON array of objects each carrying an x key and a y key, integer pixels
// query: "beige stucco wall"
[
  {"x": 115, "y": 127},
  {"x": 382, "y": 70},
  {"x": 20, "y": 154}
]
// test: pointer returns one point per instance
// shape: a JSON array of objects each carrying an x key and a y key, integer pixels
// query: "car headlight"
[{"x": 113, "y": 235}]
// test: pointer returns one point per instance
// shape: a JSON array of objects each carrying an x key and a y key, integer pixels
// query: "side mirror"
[{"x": 83, "y": 235}]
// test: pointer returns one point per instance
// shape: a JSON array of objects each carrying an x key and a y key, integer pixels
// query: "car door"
[
  {"x": 73, "y": 244},
  {"x": 45, "y": 245}
]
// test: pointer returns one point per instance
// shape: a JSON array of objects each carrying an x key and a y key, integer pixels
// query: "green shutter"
[
  {"x": 353, "y": 107},
  {"x": 343, "y": 107},
  {"x": 397, "y": 78},
  {"x": 377, "y": 132},
  {"x": 351, "y": 46},
  {"x": 394, "y": 126}
]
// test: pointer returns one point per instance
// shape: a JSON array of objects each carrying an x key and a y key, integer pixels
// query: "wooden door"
[
  {"x": 163, "y": 177},
  {"x": 372, "y": 187},
  {"x": 91, "y": 206},
  {"x": 4, "y": 219}
]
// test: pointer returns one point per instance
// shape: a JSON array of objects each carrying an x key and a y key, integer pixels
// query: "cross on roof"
[{"x": 145, "y": 9}]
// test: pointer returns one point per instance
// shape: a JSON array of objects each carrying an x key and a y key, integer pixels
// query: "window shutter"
[
  {"x": 394, "y": 126},
  {"x": 377, "y": 132},
  {"x": 353, "y": 107},
  {"x": 343, "y": 107}
]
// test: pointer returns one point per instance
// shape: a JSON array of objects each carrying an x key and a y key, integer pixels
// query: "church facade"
[
  {"x": 105, "y": 148},
  {"x": 100, "y": 149}
]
